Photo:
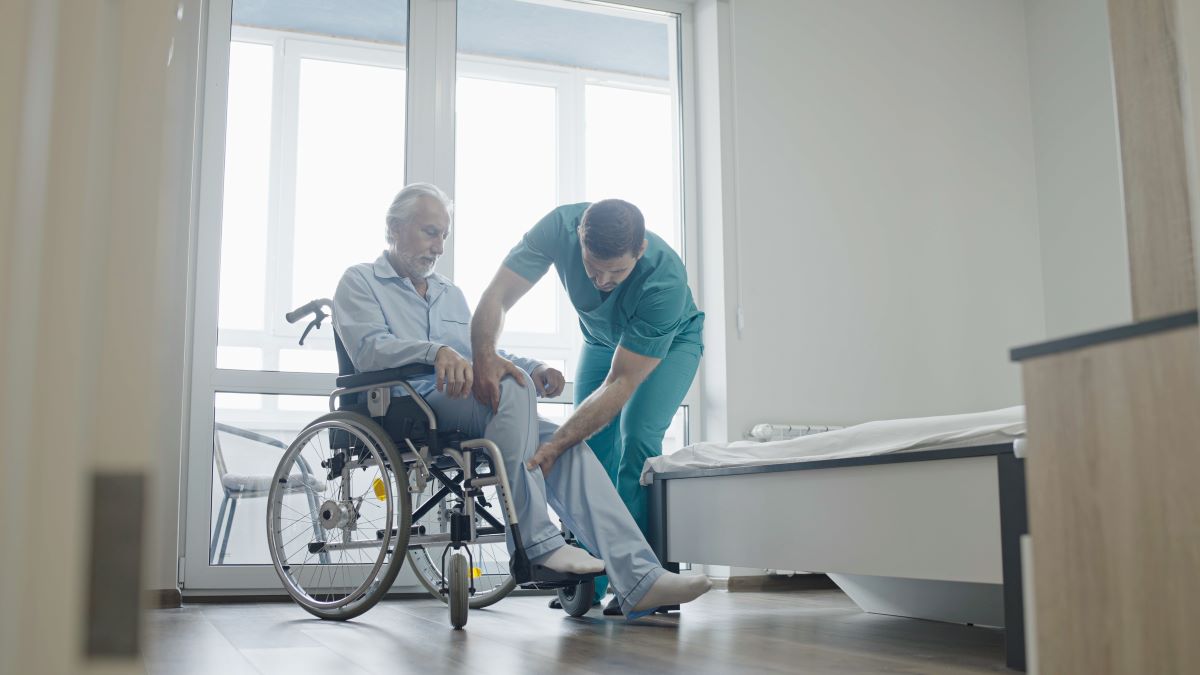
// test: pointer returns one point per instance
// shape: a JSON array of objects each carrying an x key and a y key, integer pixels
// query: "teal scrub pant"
[
  {"x": 637, "y": 433},
  {"x": 578, "y": 489}
]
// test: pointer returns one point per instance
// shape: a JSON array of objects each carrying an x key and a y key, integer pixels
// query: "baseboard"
[
  {"x": 162, "y": 598},
  {"x": 775, "y": 582}
]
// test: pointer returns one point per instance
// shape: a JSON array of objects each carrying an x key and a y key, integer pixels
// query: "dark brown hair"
[{"x": 610, "y": 228}]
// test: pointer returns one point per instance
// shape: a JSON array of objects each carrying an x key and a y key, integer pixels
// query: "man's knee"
[{"x": 517, "y": 398}]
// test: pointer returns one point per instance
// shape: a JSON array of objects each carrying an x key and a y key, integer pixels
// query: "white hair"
[{"x": 404, "y": 205}]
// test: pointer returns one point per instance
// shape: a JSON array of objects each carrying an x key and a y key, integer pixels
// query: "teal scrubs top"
[{"x": 648, "y": 313}]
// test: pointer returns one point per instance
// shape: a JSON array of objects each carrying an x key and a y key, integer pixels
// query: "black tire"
[
  {"x": 423, "y": 565},
  {"x": 425, "y": 561},
  {"x": 577, "y": 600},
  {"x": 367, "y": 429},
  {"x": 457, "y": 578}
]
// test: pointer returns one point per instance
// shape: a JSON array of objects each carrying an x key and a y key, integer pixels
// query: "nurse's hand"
[
  {"x": 549, "y": 381},
  {"x": 454, "y": 373},
  {"x": 489, "y": 370},
  {"x": 545, "y": 457}
]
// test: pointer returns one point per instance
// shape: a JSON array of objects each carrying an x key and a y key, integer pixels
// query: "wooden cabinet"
[{"x": 1113, "y": 476}]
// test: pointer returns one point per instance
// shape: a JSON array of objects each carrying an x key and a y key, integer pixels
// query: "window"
[
  {"x": 314, "y": 153},
  {"x": 314, "y": 119},
  {"x": 548, "y": 113}
]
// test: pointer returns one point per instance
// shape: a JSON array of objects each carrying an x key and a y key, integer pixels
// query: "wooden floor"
[{"x": 817, "y": 631}]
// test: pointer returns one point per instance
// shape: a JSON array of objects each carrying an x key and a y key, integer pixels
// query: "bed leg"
[
  {"x": 657, "y": 536},
  {"x": 1014, "y": 522}
]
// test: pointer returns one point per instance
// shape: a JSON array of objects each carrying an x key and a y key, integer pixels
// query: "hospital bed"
[{"x": 926, "y": 524}]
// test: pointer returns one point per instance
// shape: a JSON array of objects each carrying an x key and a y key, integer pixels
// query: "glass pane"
[
  {"x": 559, "y": 102},
  {"x": 676, "y": 436},
  {"x": 239, "y": 358},
  {"x": 555, "y": 412},
  {"x": 246, "y": 450},
  {"x": 505, "y": 180},
  {"x": 349, "y": 165},
  {"x": 304, "y": 360},
  {"x": 317, "y": 405},
  {"x": 631, "y": 153},
  {"x": 314, "y": 155},
  {"x": 239, "y": 401},
  {"x": 247, "y": 176}
]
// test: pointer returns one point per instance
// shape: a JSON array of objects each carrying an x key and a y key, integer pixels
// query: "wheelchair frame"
[{"x": 419, "y": 465}]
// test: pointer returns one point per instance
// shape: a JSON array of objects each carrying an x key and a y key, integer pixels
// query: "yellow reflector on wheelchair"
[
  {"x": 380, "y": 489},
  {"x": 476, "y": 572}
]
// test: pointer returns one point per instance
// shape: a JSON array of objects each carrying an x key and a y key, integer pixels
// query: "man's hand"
[
  {"x": 454, "y": 373},
  {"x": 489, "y": 370},
  {"x": 548, "y": 381},
  {"x": 545, "y": 457}
]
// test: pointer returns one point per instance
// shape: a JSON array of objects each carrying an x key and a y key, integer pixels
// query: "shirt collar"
[
  {"x": 383, "y": 270},
  {"x": 383, "y": 267}
]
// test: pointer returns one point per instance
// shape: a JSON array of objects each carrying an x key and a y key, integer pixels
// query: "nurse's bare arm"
[
  {"x": 506, "y": 289},
  {"x": 628, "y": 371}
]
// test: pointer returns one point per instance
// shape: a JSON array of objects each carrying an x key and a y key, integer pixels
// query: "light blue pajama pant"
[
  {"x": 578, "y": 488},
  {"x": 635, "y": 435}
]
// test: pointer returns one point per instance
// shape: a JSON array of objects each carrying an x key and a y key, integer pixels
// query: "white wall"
[
  {"x": 1085, "y": 255},
  {"x": 887, "y": 250}
]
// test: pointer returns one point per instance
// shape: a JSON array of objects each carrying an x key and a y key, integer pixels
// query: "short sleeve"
[
  {"x": 655, "y": 322},
  {"x": 533, "y": 255}
]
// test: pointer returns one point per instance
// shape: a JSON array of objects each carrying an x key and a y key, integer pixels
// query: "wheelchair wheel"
[
  {"x": 577, "y": 600},
  {"x": 338, "y": 514},
  {"x": 459, "y": 583},
  {"x": 491, "y": 574}
]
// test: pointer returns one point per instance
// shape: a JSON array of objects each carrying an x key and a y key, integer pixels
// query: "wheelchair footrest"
[{"x": 544, "y": 578}]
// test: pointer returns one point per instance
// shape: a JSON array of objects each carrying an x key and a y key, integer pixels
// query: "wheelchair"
[{"x": 340, "y": 511}]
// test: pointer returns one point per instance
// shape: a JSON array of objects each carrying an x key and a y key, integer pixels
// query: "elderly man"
[{"x": 396, "y": 311}]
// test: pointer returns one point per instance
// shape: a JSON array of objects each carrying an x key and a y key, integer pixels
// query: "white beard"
[{"x": 414, "y": 266}]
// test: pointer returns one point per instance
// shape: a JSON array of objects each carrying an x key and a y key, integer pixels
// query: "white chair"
[{"x": 239, "y": 486}]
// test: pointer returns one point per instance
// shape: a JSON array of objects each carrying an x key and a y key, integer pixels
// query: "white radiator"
[{"x": 778, "y": 432}]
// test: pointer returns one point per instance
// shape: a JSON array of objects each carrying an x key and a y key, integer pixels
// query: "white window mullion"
[
  {"x": 683, "y": 66},
  {"x": 198, "y": 471},
  {"x": 571, "y": 143},
  {"x": 572, "y": 188},
  {"x": 429, "y": 137},
  {"x": 280, "y": 248}
]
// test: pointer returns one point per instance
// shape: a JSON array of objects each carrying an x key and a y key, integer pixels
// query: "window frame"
[{"x": 432, "y": 59}]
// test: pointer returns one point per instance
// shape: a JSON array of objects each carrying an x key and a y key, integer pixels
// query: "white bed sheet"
[{"x": 863, "y": 440}]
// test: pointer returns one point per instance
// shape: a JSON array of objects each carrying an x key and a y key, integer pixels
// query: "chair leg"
[
  {"x": 212, "y": 547},
  {"x": 228, "y": 527}
]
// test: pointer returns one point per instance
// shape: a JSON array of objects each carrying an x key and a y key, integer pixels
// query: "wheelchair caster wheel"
[
  {"x": 577, "y": 600},
  {"x": 458, "y": 580}
]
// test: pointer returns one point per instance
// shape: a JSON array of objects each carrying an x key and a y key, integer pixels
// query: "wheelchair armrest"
[{"x": 380, "y": 376}]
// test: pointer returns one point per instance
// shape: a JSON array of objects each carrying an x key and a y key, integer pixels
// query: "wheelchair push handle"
[
  {"x": 310, "y": 307},
  {"x": 316, "y": 307}
]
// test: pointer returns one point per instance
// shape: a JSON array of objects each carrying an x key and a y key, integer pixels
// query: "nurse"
[{"x": 641, "y": 338}]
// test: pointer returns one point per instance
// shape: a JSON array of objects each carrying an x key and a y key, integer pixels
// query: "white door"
[{"x": 312, "y": 122}]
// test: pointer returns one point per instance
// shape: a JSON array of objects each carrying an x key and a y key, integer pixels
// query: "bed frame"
[{"x": 931, "y": 534}]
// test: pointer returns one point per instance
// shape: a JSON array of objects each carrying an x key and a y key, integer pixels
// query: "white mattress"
[{"x": 863, "y": 440}]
